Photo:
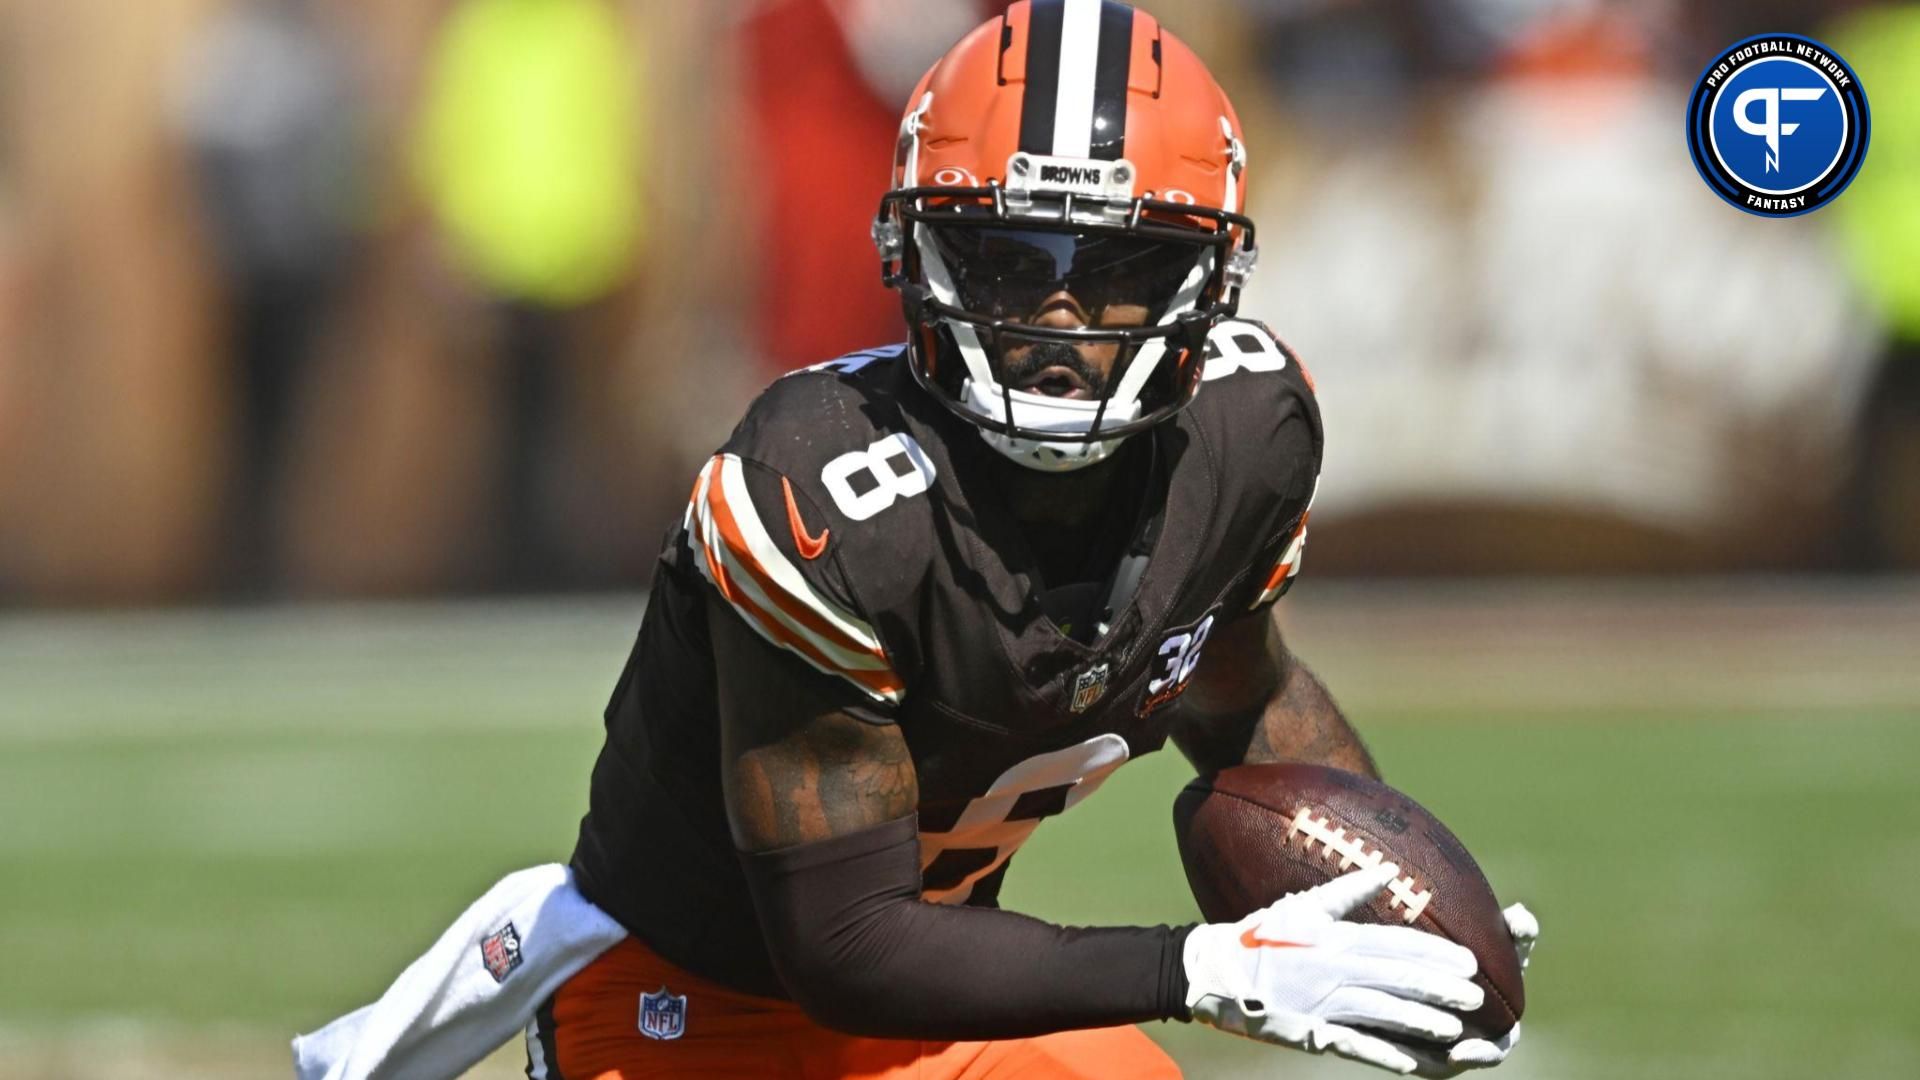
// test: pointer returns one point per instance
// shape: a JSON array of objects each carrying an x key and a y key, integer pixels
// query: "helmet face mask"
[{"x": 1056, "y": 309}]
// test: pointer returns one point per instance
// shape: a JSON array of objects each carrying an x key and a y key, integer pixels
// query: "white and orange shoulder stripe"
[
  {"x": 1287, "y": 567},
  {"x": 735, "y": 553}
]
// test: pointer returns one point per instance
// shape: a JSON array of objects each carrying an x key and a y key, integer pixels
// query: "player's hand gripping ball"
[{"x": 1254, "y": 834}]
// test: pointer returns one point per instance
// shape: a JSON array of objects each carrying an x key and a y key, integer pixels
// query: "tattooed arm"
[
  {"x": 803, "y": 757},
  {"x": 1252, "y": 702},
  {"x": 799, "y": 769},
  {"x": 820, "y": 794}
]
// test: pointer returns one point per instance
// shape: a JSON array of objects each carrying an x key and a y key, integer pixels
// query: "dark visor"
[{"x": 1010, "y": 273}]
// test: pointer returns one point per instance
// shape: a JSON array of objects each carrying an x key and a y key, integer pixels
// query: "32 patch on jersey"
[{"x": 1179, "y": 654}]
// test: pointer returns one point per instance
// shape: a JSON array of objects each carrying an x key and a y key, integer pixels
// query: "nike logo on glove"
[
  {"x": 810, "y": 547},
  {"x": 1251, "y": 941}
]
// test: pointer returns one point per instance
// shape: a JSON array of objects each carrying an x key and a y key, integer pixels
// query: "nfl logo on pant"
[{"x": 663, "y": 1015}]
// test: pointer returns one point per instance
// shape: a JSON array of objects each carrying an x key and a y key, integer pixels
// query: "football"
[{"x": 1254, "y": 833}]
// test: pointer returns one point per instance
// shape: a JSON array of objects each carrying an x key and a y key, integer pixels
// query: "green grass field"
[{"x": 219, "y": 828}]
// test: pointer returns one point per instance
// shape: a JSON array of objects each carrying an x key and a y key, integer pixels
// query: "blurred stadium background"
[{"x": 355, "y": 356}]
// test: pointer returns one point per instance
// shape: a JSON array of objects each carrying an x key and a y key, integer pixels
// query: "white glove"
[
  {"x": 1294, "y": 973},
  {"x": 1480, "y": 1053}
]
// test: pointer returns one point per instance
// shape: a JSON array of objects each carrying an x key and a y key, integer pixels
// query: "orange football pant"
[{"x": 590, "y": 1030}]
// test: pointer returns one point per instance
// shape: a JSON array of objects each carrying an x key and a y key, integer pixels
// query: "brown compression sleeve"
[{"x": 861, "y": 953}]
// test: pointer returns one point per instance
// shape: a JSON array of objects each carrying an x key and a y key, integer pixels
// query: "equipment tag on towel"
[{"x": 500, "y": 951}]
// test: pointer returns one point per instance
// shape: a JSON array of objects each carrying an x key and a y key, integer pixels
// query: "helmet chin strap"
[{"x": 1038, "y": 412}]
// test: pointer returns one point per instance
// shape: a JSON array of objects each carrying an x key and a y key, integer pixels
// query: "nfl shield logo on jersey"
[
  {"x": 500, "y": 952},
  {"x": 663, "y": 1015},
  {"x": 1088, "y": 687}
]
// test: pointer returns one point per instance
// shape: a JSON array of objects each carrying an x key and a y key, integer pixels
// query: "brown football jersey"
[{"x": 852, "y": 523}]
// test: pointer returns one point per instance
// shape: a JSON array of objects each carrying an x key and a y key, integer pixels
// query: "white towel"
[{"x": 477, "y": 987}]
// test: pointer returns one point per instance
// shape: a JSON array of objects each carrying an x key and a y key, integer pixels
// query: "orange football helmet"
[{"x": 1077, "y": 146}]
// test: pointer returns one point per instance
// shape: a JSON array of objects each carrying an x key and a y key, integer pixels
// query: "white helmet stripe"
[{"x": 1079, "y": 57}]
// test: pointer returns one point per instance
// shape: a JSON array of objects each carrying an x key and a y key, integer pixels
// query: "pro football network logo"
[
  {"x": 663, "y": 1014},
  {"x": 1778, "y": 125}
]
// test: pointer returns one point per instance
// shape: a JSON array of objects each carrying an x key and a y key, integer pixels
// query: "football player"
[{"x": 931, "y": 594}]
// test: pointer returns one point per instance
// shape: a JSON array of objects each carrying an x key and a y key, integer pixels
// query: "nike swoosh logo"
[
  {"x": 811, "y": 547},
  {"x": 1253, "y": 941}
]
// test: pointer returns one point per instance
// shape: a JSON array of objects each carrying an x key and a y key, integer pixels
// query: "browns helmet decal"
[{"x": 1068, "y": 146}]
